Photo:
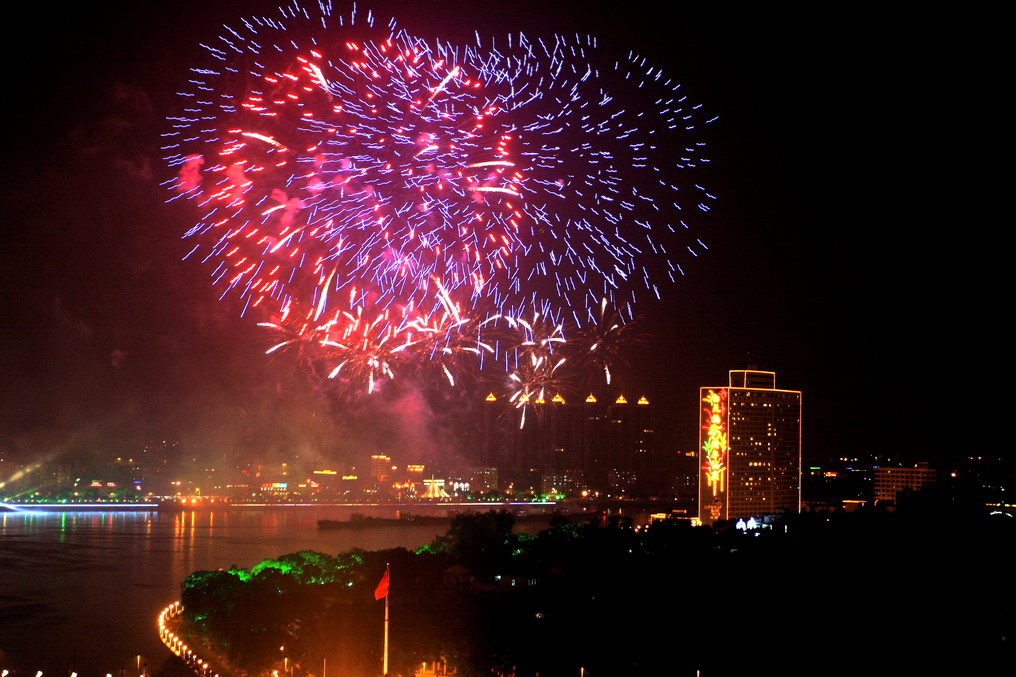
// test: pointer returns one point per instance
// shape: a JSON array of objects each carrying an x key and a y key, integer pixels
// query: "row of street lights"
[{"x": 175, "y": 644}]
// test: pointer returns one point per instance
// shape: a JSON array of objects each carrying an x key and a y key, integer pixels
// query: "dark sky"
[{"x": 828, "y": 261}]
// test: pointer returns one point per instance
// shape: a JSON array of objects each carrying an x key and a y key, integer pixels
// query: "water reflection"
[{"x": 82, "y": 589}]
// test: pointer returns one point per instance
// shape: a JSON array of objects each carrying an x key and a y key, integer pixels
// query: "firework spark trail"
[
  {"x": 534, "y": 352},
  {"x": 378, "y": 175},
  {"x": 600, "y": 345},
  {"x": 360, "y": 348},
  {"x": 359, "y": 181}
]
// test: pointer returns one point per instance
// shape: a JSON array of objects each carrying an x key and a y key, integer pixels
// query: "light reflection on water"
[{"x": 87, "y": 586}]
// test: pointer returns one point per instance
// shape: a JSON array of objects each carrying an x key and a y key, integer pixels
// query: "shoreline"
[
  {"x": 16, "y": 508},
  {"x": 585, "y": 505}
]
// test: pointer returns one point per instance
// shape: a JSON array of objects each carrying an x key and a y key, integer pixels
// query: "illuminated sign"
[{"x": 713, "y": 477}]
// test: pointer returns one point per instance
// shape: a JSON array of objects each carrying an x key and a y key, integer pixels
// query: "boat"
[{"x": 358, "y": 521}]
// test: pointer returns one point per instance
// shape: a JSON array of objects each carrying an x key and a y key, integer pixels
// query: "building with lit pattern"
[
  {"x": 750, "y": 448},
  {"x": 583, "y": 441}
]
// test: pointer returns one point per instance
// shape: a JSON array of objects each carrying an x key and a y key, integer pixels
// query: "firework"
[
  {"x": 601, "y": 344},
  {"x": 380, "y": 198},
  {"x": 533, "y": 352},
  {"x": 352, "y": 173},
  {"x": 352, "y": 348},
  {"x": 363, "y": 347},
  {"x": 449, "y": 344}
]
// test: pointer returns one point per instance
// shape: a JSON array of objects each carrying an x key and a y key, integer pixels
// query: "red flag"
[{"x": 382, "y": 588}]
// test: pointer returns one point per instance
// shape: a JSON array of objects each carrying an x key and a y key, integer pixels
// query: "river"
[{"x": 83, "y": 589}]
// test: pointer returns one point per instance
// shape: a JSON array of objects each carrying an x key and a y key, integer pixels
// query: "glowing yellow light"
[
  {"x": 643, "y": 400},
  {"x": 325, "y": 472},
  {"x": 558, "y": 399},
  {"x": 590, "y": 399},
  {"x": 491, "y": 398},
  {"x": 714, "y": 447},
  {"x": 621, "y": 400}
]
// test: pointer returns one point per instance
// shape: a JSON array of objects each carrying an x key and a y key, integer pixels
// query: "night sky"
[{"x": 828, "y": 262}]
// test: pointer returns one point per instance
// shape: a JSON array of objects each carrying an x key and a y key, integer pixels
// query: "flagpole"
[{"x": 384, "y": 668}]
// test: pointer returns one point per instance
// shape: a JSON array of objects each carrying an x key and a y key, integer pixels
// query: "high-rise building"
[
  {"x": 588, "y": 438},
  {"x": 380, "y": 467},
  {"x": 750, "y": 444}
]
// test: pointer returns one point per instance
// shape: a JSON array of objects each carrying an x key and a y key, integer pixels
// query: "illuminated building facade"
[
  {"x": 483, "y": 479},
  {"x": 471, "y": 479},
  {"x": 889, "y": 482},
  {"x": 750, "y": 443},
  {"x": 380, "y": 467},
  {"x": 563, "y": 483}
]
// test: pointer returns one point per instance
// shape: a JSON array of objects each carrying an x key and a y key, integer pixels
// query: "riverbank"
[{"x": 97, "y": 579}]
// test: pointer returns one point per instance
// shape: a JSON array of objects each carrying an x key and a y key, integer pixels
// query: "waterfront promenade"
[{"x": 198, "y": 658}]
